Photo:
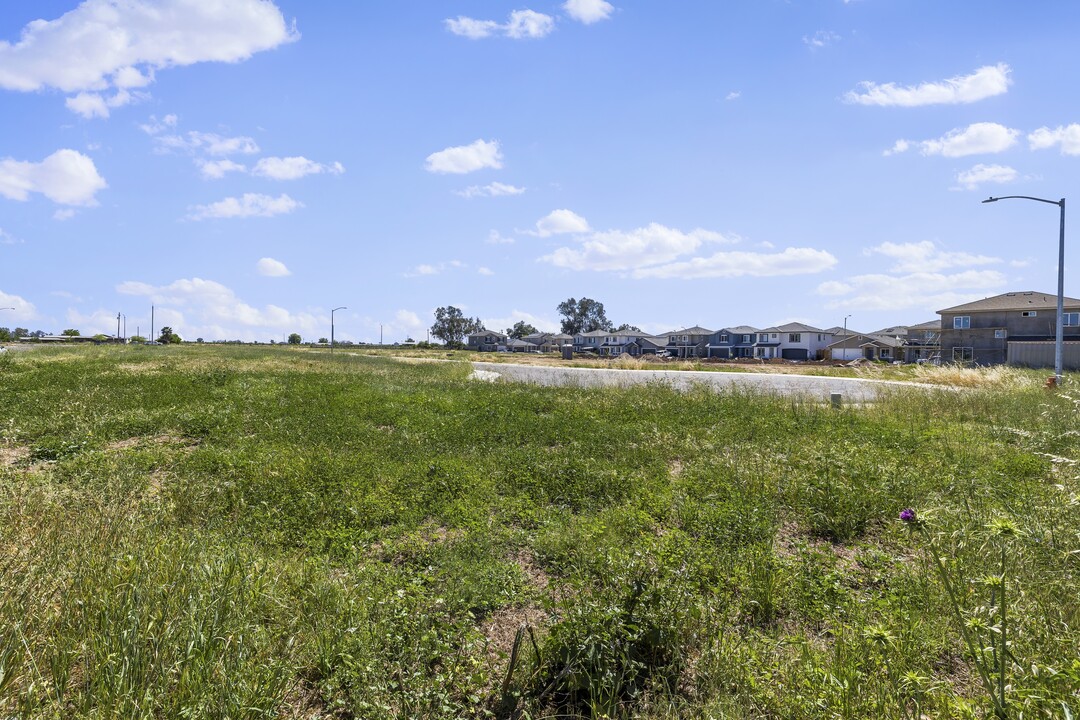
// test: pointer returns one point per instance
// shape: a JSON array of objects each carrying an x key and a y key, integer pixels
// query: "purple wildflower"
[{"x": 907, "y": 515}]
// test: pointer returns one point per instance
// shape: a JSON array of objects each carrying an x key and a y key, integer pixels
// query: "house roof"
[
  {"x": 594, "y": 333},
  {"x": 518, "y": 343},
  {"x": 742, "y": 329},
  {"x": 1026, "y": 300},
  {"x": 867, "y": 339},
  {"x": 696, "y": 330},
  {"x": 478, "y": 333},
  {"x": 797, "y": 327},
  {"x": 839, "y": 331},
  {"x": 892, "y": 331}
]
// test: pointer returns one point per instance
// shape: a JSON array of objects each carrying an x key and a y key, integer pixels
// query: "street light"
[
  {"x": 1059, "y": 339},
  {"x": 332, "y": 326}
]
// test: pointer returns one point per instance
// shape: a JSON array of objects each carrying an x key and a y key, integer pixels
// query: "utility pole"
[
  {"x": 151, "y": 323},
  {"x": 117, "y": 326},
  {"x": 380, "y": 334}
]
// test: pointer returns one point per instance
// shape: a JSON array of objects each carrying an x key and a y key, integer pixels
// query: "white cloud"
[
  {"x": 985, "y": 82},
  {"x": 208, "y": 143},
  {"x": 66, "y": 177},
  {"x": 465, "y": 158},
  {"x": 516, "y": 316},
  {"x": 975, "y": 139},
  {"x": 472, "y": 29},
  {"x": 292, "y": 168},
  {"x": 269, "y": 267},
  {"x": 926, "y": 257},
  {"x": 204, "y": 308},
  {"x": 103, "y": 48},
  {"x": 155, "y": 126},
  {"x": 529, "y": 24},
  {"x": 7, "y": 238},
  {"x": 495, "y": 189},
  {"x": 435, "y": 269},
  {"x": 971, "y": 179},
  {"x": 495, "y": 238},
  {"x": 791, "y": 261},
  {"x": 484, "y": 271},
  {"x": 559, "y": 222},
  {"x": 620, "y": 250},
  {"x": 23, "y": 309},
  {"x": 733, "y": 95},
  {"x": 820, "y": 39},
  {"x": 522, "y": 24},
  {"x": 249, "y": 205},
  {"x": 63, "y": 214},
  {"x": 588, "y": 11},
  {"x": 216, "y": 169},
  {"x": 923, "y": 290},
  {"x": 1068, "y": 137}
]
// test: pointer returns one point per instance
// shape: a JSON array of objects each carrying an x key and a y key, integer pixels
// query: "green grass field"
[{"x": 211, "y": 532}]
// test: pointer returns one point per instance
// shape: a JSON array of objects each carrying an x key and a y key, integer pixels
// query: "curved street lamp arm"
[{"x": 1025, "y": 197}]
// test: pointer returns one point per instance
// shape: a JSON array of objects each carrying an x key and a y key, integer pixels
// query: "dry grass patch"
[{"x": 13, "y": 456}]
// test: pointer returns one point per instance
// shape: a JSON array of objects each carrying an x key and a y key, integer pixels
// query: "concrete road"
[{"x": 811, "y": 387}]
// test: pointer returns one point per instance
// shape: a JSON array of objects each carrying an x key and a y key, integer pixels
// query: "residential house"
[
  {"x": 802, "y": 342},
  {"x": 520, "y": 346},
  {"x": 767, "y": 344},
  {"x": 922, "y": 342},
  {"x": 689, "y": 342},
  {"x": 1017, "y": 328},
  {"x": 487, "y": 340},
  {"x": 733, "y": 342},
  {"x": 854, "y": 346},
  {"x": 632, "y": 343},
  {"x": 548, "y": 342},
  {"x": 590, "y": 341}
]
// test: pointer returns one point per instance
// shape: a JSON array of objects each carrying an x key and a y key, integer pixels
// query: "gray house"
[
  {"x": 689, "y": 342},
  {"x": 1017, "y": 328},
  {"x": 487, "y": 341},
  {"x": 854, "y": 346},
  {"x": 733, "y": 342}
]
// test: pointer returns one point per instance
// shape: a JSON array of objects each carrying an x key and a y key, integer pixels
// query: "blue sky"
[{"x": 247, "y": 165}]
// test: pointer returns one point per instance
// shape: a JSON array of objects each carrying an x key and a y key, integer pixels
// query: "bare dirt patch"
[
  {"x": 154, "y": 440},
  {"x": 501, "y": 628},
  {"x": 12, "y": 456}
]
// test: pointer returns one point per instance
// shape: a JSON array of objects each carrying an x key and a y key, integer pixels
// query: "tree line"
[{"x": 578, "y": 315}]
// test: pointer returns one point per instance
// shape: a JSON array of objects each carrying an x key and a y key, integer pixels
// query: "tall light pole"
[
  {"x": 332, "y": 326},
  {"x": 1059, "y": 338}
]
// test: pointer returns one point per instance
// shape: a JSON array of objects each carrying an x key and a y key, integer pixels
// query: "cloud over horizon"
[{"x": 985, "y": 82}]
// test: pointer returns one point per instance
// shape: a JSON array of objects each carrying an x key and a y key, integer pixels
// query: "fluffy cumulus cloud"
[
  {"x": 560, "y": 222},
  {"x": 293, "y": 168},
  {"x": 588, "y": 11},
  {"x": 987, "y": 81},
  {"x": 463, "y": 159},
  {"x": 657, "y": 251},
  {"x": 927, "y": 291},
  {"x": 925, "y": 257},
  {"x": 1067, "y": 138},
  {"x": 104, "y": 51},
  {"x": 206, "y": 143},
  {"x": 66, "y": 177},
  {"x": 976, "y": 139},
  {"x": 22, "y": 309},
  {"x": 520, "y": 25},
  {"x": 204, "y": 308},
  {"x": 495, "y": 189},
  {"x": 217, "y": 169},
  {"x": 249, "y": 205},
  {"x": 269, "y": 267},
  {"x": 982, "y": 174},
  {"x": 740, "y": 263}
]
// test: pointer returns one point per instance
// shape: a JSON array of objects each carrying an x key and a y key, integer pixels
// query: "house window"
[
  {"x": 723, "y": 337},
  {"x": 820, "y": 338},
  {"x": 774, "y": 336},
  {"x": 1030, "y": 313},
  {"x": 760, "y": 352},
  {"x": 794, "y": 337},
  {"x": 963, "y": 354},
  {"x": 746, "y": 338},
  {"x": 684, "y": 338},
  {"x": 1070, "y": 319},
  {"x": 1000, "y": 334},
  {"x": 885, "y": 353},
  {"x": 961, "y": 322}
]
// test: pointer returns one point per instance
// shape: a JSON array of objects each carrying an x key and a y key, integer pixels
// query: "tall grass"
[{"x": 232, "y": 532}]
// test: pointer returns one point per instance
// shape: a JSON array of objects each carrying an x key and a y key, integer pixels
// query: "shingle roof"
[
  {"x": 696, "y": 330},
  {"x": 798, "y": 327},
  {"x": 1027, "y": 300},
  {"x": 929, "y": 325},
  {"x": 742, "y": 329}
]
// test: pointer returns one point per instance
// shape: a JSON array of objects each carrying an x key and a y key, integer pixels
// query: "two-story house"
[
  {"x": 1017, "y": 328},
  {"x": 802, "y": 342},
  {"x": 590, "y": 341},
  {"x": 689, "y": 342},
  {"x": 487, "y": 340},
  {"x": 733, "y": 342}
]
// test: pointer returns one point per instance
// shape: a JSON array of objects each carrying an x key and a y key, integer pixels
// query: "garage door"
[
  {"x": 795, "y": 353},
  {"x": 847, "y": 353}
]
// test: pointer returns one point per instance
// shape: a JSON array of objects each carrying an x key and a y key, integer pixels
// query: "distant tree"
[
  {"x": 451, "y": 326},
  {"x": 21, "y": 333},
  {"x": 295, "y": 339},
  {"x": 323, "y": 341},
  {"x": 584, "y": 315},
  {"x": 136, "y": 339},
  {"x": 71, "y": 332},
  {"x": 520, "y": 330},
  {"x": 101, "y": 337},
  {"x": 168, "y": 336},
  {"x": 198, "y": 340},
  {"x": 626, "y": 327},
  {"x": 5, "y": 335},
  {"x": 38, "y": 334}
]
